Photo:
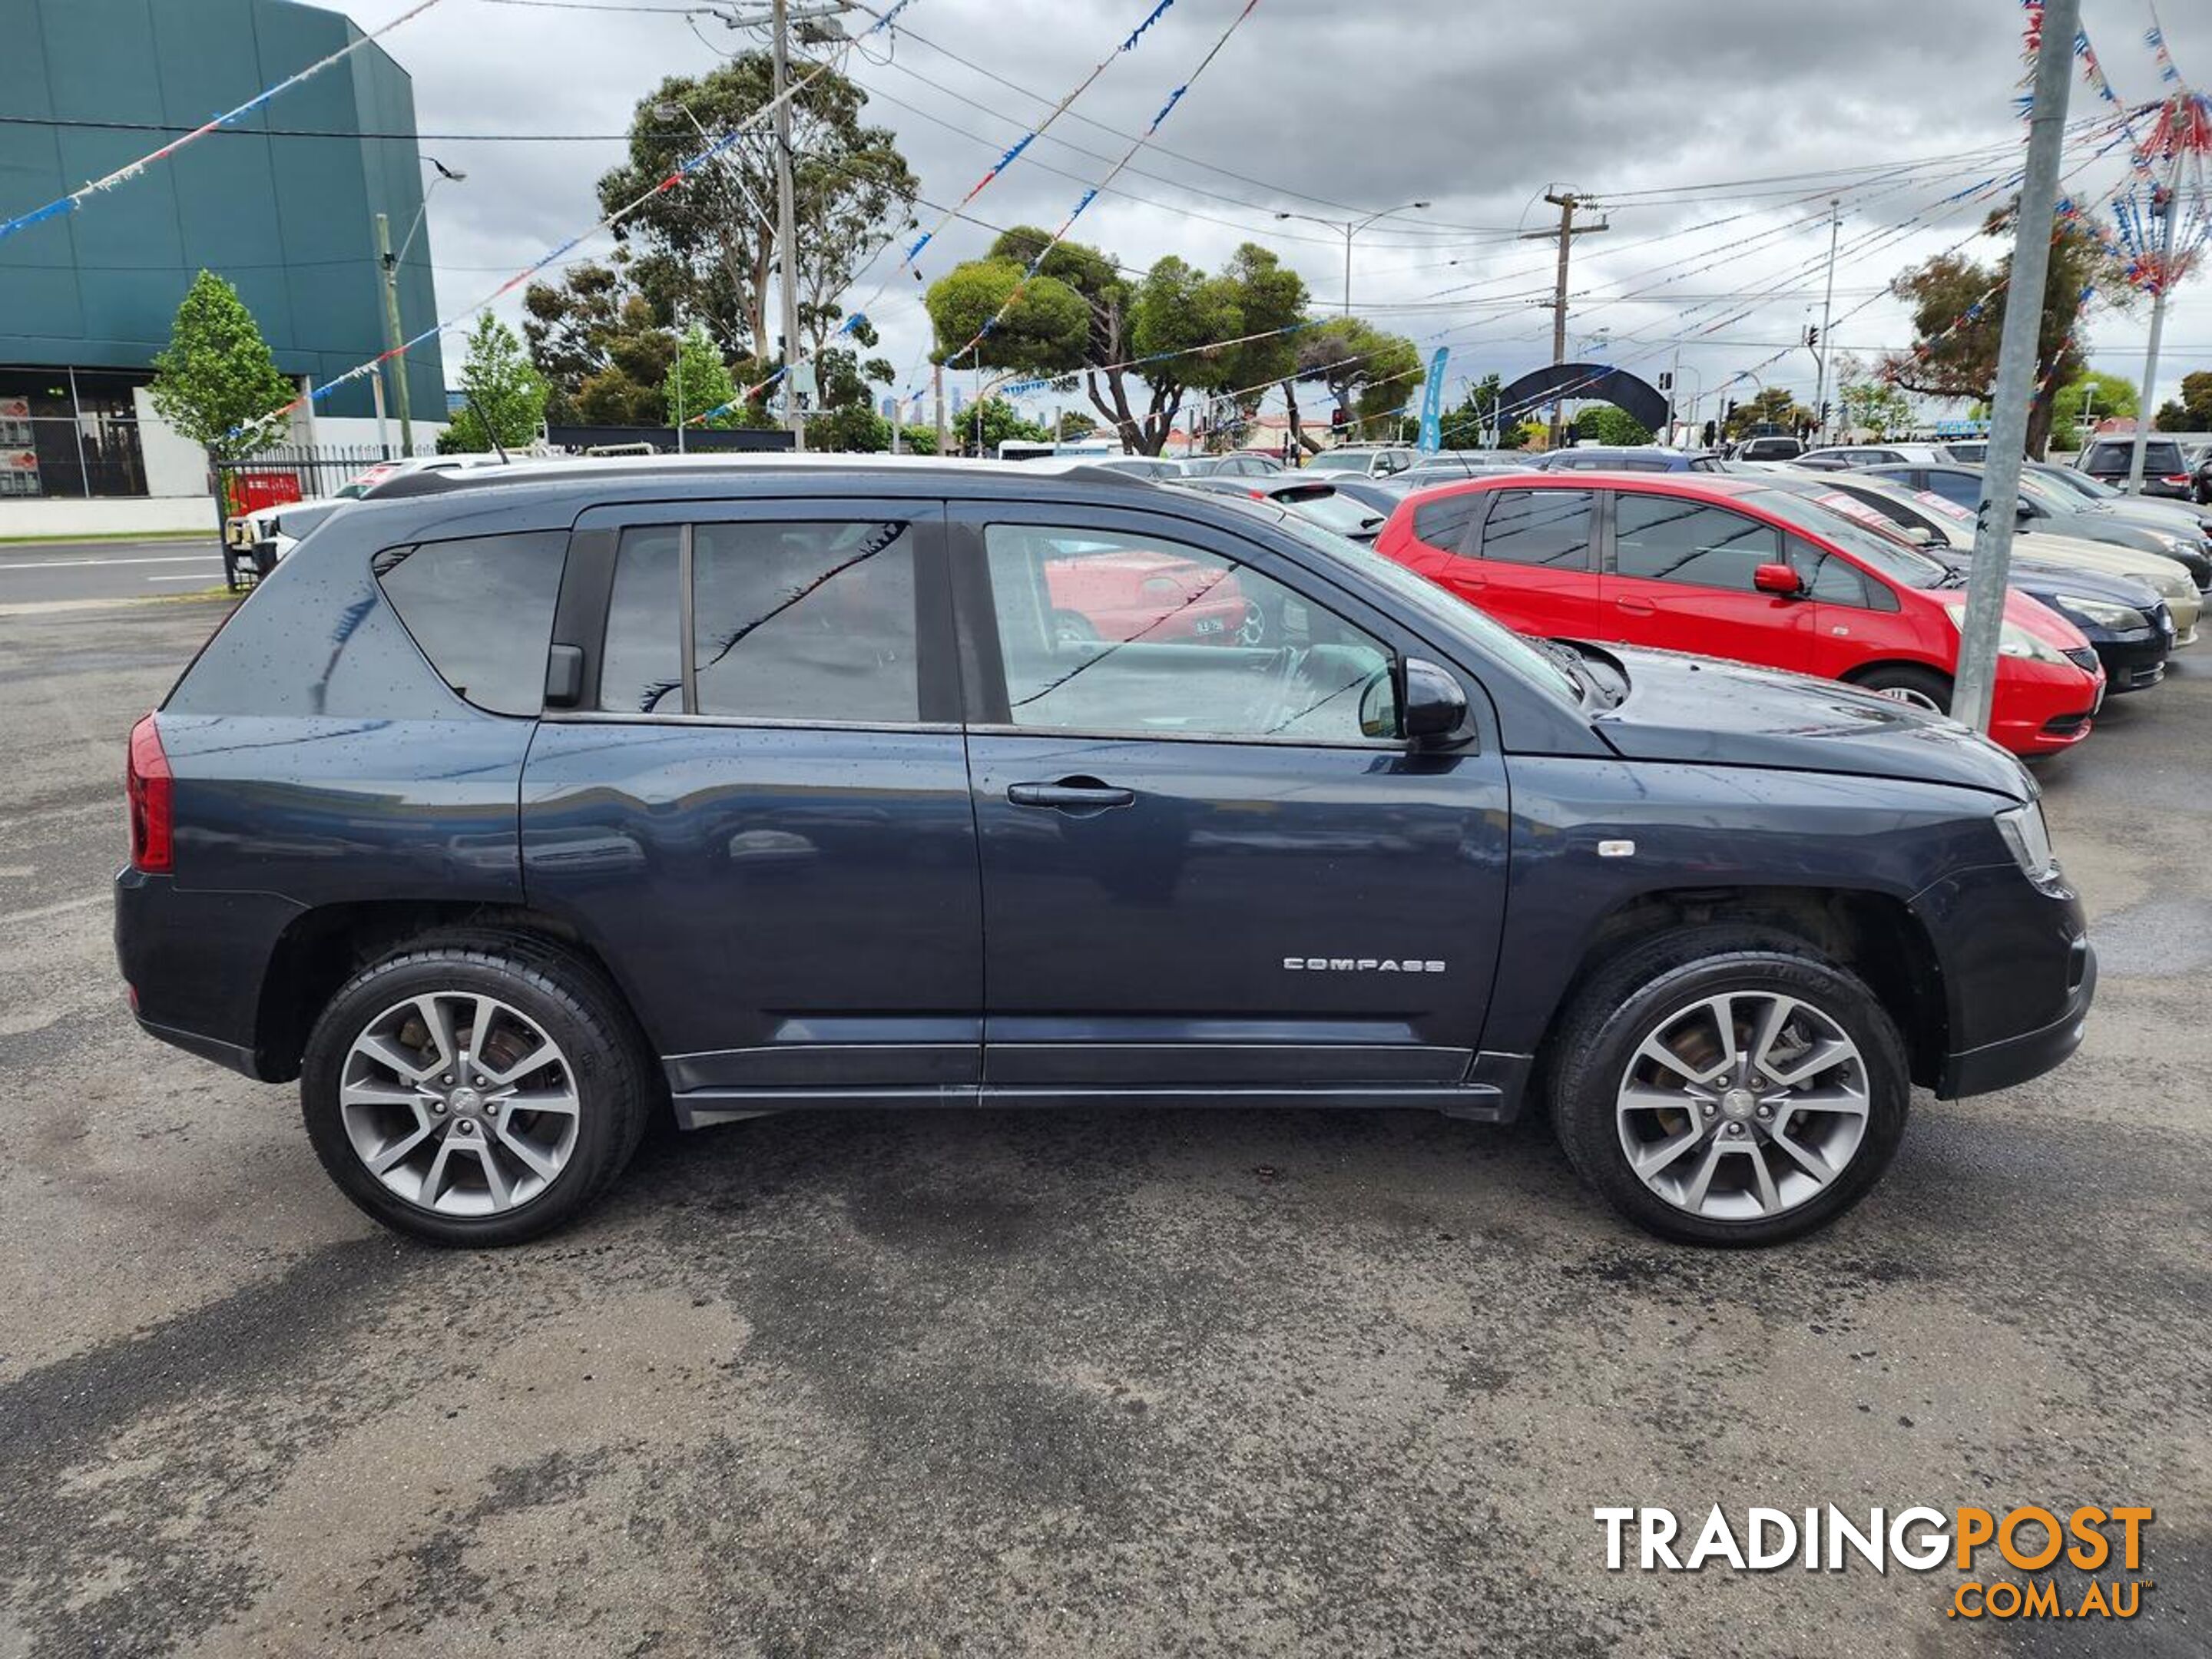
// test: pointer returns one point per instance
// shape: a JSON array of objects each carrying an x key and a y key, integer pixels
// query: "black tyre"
[
  {"x": 1923, "y": 687},
  {"x": 1745, "y": 1132},
  {"x": 476, "y": 1089},
  {"x": 1072, "y": 628}
]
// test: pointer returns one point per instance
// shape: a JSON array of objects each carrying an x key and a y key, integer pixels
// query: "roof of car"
[
  {"x": 624, "y": 469},
  {"x": 1583, "y": 478}
]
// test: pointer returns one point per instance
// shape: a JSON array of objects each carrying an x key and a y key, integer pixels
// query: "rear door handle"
[
  {"x": 1635, "y": 607},
  {"x": 1071, "y": 795}
]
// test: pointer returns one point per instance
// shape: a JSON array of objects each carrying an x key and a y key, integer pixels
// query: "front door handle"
[
  {"x": 1071, "y": 795},
  {"x": 1635, "y": 607}
]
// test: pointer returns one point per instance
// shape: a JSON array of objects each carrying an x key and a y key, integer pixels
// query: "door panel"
[
  {"x": 1154, "y": 943},
  {"x": 790, "y": 898},
  {"x": 1184, "y": 885},
  {"x": 1680, "y": 579},
  {"x": 1538, "y": 565}
]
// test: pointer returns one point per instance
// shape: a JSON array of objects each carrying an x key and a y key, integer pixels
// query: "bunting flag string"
[
  {"x": 1091, "y": 195},
  {"x": 77, "y": 198},
  {"x": 683, "y": 171},
  {"x": 1014, "y": 151}
]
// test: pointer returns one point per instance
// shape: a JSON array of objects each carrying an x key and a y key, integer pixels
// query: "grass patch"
[{"x": 114, "y": 536}]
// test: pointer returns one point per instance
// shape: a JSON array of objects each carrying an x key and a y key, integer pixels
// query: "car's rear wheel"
[
  {"x": 1907, "y": 682},
  {"x": 1728, "y": 1086},
  {"x": 474, "y": 1089}
]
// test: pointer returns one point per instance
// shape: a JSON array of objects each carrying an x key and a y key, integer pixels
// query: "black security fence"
[{"x": 275, "y": 476}]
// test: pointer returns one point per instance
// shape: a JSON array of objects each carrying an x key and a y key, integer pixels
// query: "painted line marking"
[{"x": 9, "y": 565}]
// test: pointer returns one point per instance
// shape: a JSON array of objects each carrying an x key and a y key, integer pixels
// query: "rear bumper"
[{"x": 2014, "y": 1059}]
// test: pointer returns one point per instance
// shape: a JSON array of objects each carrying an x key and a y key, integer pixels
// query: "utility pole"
[
  {"x": 1981, "y": 630},
  {"x": 1827, "y": 301},
  {"x": 2164, "y": 205},
  {"x": 786, "y": 234},
  {"x": 392, "y": 337},
  {"x": 937, "y": 388},
  {"x": 1566, "y": 201}
]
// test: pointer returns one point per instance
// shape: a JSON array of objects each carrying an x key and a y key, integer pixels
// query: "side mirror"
[
  {"x": 1435, "y": 707},
  {"x": 2024, "y": 512},
  {"x": 1779, "y": 580},
  {"x": 1921, "y": 536}
]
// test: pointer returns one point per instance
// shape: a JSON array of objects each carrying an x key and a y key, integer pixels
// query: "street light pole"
[
  {"x": 1352, "y": 227},
  {"x": 388, "y": 263}
]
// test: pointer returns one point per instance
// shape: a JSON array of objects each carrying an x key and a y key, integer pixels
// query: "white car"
[{"x": 267, "y": 533}]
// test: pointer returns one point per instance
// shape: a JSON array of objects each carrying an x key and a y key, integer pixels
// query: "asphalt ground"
[
  {"x": 1111, "y": 1382},
  {"x": 41, "y": 573}
]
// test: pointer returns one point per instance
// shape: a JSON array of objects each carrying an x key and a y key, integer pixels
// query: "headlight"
[
  {"x": 2181, "y": 544},
  {"x": 2029, "y": 837},
  {"x": 2105, "y": 613},
  {"x": 2013, "y": 639},
  {"x": 2174, "y": 585}
]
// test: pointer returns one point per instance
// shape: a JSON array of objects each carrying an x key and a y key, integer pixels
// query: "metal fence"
[{"x": 282, "y": 473}]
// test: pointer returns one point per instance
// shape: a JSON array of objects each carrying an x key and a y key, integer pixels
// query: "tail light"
[
  {"x": 2175, "y": 478},
  {"x": 151, "y": 787}
]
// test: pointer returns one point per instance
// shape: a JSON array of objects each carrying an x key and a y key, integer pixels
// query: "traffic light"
[
  {"x": 1729, "y": 413},
  {"x": 1665, "y": 382},
  {"x": 1339, "y": 418},
  {"x": 1712, "y": 433},
  {"x": 1812, "y": 334},
  {"x": 1824, "y": 412}
]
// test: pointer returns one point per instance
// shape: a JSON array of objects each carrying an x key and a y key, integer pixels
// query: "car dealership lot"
[{"x": 1110, "y": 1382}]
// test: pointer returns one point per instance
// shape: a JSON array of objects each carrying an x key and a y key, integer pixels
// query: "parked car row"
[{"x": 1857, "y": 574}]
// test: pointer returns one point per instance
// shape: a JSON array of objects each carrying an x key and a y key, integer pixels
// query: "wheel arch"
[
  {"x": 1875, "y": 934},
  {"x": 322, "y": 948}
]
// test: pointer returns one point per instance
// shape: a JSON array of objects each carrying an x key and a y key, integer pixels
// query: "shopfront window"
[{"x": 70, "y": 433}]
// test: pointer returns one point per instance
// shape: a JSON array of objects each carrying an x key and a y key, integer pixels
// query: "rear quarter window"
[{"x": 482, "y": 610}]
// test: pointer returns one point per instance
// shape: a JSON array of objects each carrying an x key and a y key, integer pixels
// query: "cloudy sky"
[{"x": 1713, "y": 134}]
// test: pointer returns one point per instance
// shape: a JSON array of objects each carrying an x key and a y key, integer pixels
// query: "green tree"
[
  {"x": 1612, "y": 425},
  {"x": 1961, "y": 355},
  {"x": 602, "y": 345},
  {"x": 1369, "y": 372},
  {"x": 2093, "y": 394},
  {"x": 1082, "y": 321},
  {"x": 1074, "y": 425},
  {"x": 1867, "y": 402},
  {"x": 2191, "y": 412},
  {"x": 217, "y": 375},
  {"x": 696, "y": 380},
  {"x": 918, "y": 439},
  {"x": 1774, "y": 406},
  {"x": 990, "y": 421},
  {"x": 504, "y": 390},
  {"x": 709, "y": 247}
]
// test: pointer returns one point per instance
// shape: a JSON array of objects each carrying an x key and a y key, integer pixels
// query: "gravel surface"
[{"x": 1110, "y": 1383}]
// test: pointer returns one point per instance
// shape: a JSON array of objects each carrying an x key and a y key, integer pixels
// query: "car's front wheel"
[
  {"x": 1908, "y": 683},
  {"x": 1728, "y": 1086},
  {"x": 474, "y": 1088}
]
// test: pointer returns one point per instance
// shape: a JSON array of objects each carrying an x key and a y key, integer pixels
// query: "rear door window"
[
  {"x": 810, "y": 620},
  {"x": 1442, "y": 523},
  {"x": 1550, "y": 528},
  {"x": 482, "y": 610}
]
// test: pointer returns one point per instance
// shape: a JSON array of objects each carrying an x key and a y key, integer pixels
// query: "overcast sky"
[{"x": 1328, "y": 107}]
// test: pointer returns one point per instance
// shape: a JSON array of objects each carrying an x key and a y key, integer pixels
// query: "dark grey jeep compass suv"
[{"x": 517, "y": 806}]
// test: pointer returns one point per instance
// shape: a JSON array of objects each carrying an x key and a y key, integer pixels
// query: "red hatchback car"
[{"x": 1728, "y": 567}]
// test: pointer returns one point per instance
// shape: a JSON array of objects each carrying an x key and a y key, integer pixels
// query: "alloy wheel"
[
  {"x": 1906, "y": 693},
  {"x": 459, "y": 1103},
  {"x": 1742, "y": 1106}
]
